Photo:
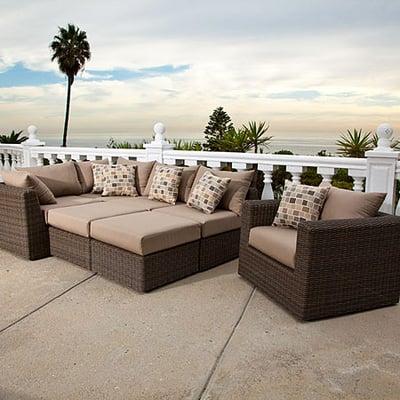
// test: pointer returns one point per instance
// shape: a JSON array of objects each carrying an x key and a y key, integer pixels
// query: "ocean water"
[{"x": 301, "y": 146}]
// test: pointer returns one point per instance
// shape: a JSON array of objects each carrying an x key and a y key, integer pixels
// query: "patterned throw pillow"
[
  {"x": 119, "y": 180},
  {"x": 300, "y": 203},
  {"x": 208, "y": 192},
  {"x": 98, "y": 177},
  {"x": 165, "y": 184}
]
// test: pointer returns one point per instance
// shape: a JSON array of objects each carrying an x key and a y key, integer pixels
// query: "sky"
[{"x": 310, "y": 68}]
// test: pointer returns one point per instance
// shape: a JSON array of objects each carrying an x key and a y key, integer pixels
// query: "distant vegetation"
[
  {"x": 13, "y": 138},
  {"x": 221, "y": 135}
]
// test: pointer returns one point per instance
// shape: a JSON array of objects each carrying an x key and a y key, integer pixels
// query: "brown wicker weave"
[
  {"x": 218, "y": 249},
  {"x": 23, "y": 230},
  {"x": 341, "y": 266},
  {"x": 70, "y": 247},
  {"x": 144, "y": 273}
]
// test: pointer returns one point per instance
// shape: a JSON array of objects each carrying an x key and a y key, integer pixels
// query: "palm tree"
[
  {"x": 255, "y": 133},
  {"x": 235, "y": 140},
  {"x": 13, "y": 138},
  {"x": 354, "y": 144},
  {"x": 71, "y": 50}
]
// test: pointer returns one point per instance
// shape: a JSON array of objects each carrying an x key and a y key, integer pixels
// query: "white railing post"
[
  {"x": 267, "y": 169},
  {"x": 381, "y": 168},
  {"x": 33, "y": 141},
  {"x": 155, "y": 149}
]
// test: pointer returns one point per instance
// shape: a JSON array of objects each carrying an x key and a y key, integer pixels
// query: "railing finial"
[
  {"x": 385, "y": 133},
  {"x": 159, "y": 131},
  {"x": 33, "y": 139}
]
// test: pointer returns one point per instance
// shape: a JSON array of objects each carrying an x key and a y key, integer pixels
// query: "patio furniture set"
[{"x": 320, "y": 252}]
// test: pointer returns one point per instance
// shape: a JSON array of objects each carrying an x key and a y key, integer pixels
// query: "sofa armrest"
[
  {"x": 354, "y": 250},
  {"x": 257, "y": 213},
  {"x": 23, "y": 231}
]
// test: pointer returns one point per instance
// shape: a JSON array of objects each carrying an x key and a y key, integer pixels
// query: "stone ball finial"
[
  {"x": 159, "y": 131},
  {"x": 384, "y": 133},
  {"x": 32, "y": 131}
]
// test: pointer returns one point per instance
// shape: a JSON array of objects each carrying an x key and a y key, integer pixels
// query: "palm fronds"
[
  {"x": 354, "y": 144},
  {"x": 13, "y": 138}
]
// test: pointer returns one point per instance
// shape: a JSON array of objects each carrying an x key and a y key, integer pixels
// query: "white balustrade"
[{"x": 376, "y": 172}]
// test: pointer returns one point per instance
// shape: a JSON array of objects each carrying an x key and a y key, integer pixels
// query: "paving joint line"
[
  {"x": 227, "y": 342},
  {"x": 46, "y": 303}
]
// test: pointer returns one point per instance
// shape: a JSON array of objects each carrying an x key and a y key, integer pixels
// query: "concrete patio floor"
[{"x": 68, "y": 334}]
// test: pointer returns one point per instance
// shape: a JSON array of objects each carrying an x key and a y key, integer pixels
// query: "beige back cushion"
[
  {"x": 23, "y": 180},
  {"x": 236, "y": 193},
  {"x": 143, "y": 171},
  {"x": 61, "y": 179},
  {"x": 346, "y": 204},
  {"x": 85, "y": 173}
]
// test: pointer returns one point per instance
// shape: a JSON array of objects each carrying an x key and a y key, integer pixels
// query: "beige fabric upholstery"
[
  {"x": 238, "y": 187},
  {"x": 85, "y": 173},
  {"x": 145, "y": 233},
  {"x": 275, "y": 242},
  {"x": 346, "y": 204},
  {"x": 67, "y": 201},
  {"x": 143, "y": 200},
  {"x": 188, "y": 175},
  {"x": 24, "y": 180},
  {"x": 211, "y": 224},
  {"x": 143, "y": 171},
  {"x": 78, "y": 219},
  {"x": 61, "y": 179}
]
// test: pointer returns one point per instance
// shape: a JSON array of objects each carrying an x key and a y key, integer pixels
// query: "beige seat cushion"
[
  {"x": 78, "y": 219},
  {"x": 211, "y": 224},
  {"x": 238, "y": 187},
  {"x": 85, "y": 173},
  {"x": 67, "y": 201},
  {"x": 61, "y": 179},
  {"x": 149, "y": 204},
  {"x": 24, "y": 180},
  {"x": 346, "y": 204},
  {"x": 143, "y": 171},
  {"x": 145, "y": 233},
  {"x": 275, "y": 242}
]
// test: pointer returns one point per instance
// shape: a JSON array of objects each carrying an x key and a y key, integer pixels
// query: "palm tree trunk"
[{"x": 67, "y": 107}]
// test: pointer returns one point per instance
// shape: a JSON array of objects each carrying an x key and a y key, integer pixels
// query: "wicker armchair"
[{"x": 341, "y": 266}]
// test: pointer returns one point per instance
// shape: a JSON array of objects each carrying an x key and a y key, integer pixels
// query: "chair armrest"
[
  {"x": 23, "y": 227},
  {"x": 349, "y": 248},
  {"x": 257, "y": 213}
]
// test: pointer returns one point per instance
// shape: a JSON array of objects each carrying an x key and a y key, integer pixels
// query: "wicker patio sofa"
[
  {"x": 138, "y": 242},
  {"x": 326, "y": 268}
]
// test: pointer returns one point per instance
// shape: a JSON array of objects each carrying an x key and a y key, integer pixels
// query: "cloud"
[{"x": 307, "y": 67}]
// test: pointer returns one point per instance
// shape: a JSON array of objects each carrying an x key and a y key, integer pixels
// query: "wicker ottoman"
[{"x": 145, "y": 250}]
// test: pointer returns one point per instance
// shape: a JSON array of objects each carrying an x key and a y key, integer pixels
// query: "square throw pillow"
[
  {"x": 98, "y": 177},
  {"x": 234, "y": 197},
  {"x": 300, "y": 203},
  {"x": 143, "y": 171},
  {"x": 346, "y": 204},
  {"x": 208, "y": 192},
  {"x": 119, "y": 180},
  {"x": 23, "y": 180},
  {"x": 165, "y": 184},
  {"x": 85, "y": 173}
]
